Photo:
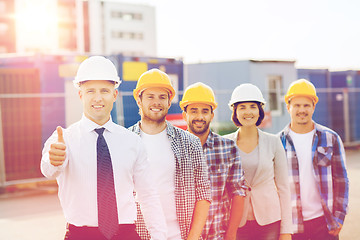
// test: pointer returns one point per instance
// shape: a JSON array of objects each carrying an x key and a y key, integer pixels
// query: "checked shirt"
[
  {"x": 191, "y": 177},
  {"x": 227, "y": 180},
  {"x": 328, "y": 156}
]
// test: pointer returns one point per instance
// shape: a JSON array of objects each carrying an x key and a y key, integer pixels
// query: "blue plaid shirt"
[
  {"x": 328, "y": 156},
  {"x": 191, "y": 177},
  {"x": 226, "y": 179}
]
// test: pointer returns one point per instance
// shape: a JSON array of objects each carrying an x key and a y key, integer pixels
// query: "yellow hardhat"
[
  {"x": 198, "y": 93},
  {"x": 153, "y": 78},
  {"x": 301, "y": 87}
]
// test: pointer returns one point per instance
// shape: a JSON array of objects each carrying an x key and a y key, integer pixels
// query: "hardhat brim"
[
  {"x": 77, "y": 82},
  {"x": 183, "y": 104},
  {"x": 288, "y": 98},
  {"x": 231, "y": 104},
  {"x": 138, "y": 91}
]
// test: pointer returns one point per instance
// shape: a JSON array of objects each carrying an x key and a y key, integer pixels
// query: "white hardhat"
[
  {"x": 246, "y": 92},
  {"x": 96, "y": 68}
]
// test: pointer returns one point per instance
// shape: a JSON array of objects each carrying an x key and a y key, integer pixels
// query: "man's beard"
[
  {"x": 199, "y": 131},
  {"x": 149, "y": 118}
]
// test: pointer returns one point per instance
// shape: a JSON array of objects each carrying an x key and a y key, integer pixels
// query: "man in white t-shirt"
[
  {"x": 317, "y": 171},
  {"x": 175, "y": 156}
]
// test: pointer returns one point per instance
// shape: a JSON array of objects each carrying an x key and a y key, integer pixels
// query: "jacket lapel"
[{"x": 256, "y": 177}]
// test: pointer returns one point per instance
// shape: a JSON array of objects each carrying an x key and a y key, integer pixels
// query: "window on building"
[
  {"x": 139, "y": 36},
  {"x": 126, "y": 16},
  {"x": 114, "y": 14},
  {"x": 127, "y": 35},
  {"x": 275, "y": 83},
  {"x": 137, "y": 16}
]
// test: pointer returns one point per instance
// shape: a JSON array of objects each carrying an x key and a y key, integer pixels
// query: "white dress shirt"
[{"x": 77, "y": 177}]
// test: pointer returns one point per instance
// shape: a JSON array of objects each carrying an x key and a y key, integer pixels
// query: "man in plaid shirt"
[
  {"x": 176, "y": 158},
  {"x": 223, "y": 160},
  {"x": 316, "y": 160}
]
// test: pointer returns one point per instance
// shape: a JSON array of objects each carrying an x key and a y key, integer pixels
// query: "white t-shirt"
[
  {"x": 309, "y": 193},
  {"x": 162, "y": 164}
]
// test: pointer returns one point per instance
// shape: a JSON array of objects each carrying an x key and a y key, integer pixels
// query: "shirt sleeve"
[
  {"x": 148, "y": 197},
  {"x": 235, "y": 181},
  {"x": 47, "y": 169},
  {"x": 282, "y": 184},
  {"x": 202, "y": 181},
  {"x": 340, "y": 181}
]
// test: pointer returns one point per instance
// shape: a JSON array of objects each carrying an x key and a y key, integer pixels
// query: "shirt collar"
[
  {"x": 317, "y": 128},
  {"x": 210, "y": 140},
  {"x": 90, "y": 125},
  {"x": 170, "y": 131}
]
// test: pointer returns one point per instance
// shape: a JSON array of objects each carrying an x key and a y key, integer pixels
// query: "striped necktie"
[{"x": 107, "y": 209}]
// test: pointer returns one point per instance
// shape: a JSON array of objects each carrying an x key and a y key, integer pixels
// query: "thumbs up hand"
[{"x": 57, "y": 152}]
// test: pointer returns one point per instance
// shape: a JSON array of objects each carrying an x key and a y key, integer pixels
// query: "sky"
[{"x": 314, "y": 33}]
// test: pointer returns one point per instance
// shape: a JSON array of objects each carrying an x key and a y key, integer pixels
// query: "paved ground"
[{"x": 30, "y": 215}]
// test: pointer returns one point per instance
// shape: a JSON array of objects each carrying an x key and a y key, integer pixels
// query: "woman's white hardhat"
[{"x": 246, "y": 92}]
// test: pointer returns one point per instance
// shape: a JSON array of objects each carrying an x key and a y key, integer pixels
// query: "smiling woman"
[{"x": 264, "y": 162}]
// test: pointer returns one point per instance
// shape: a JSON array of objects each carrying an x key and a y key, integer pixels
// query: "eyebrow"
[
  {"x": 244, "y": 105},
  {"x": 153, "y": 94},
  {"x": 202, "y": 109}
]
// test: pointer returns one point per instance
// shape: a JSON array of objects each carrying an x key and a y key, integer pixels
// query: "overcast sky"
[{"x": 314, "y": 33}]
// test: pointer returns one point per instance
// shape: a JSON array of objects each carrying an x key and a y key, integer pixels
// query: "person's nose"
[
  {"x": 199, "y": 117},
  {"x": 97, "y": 97},
  {"x": 302, "y": 109}
]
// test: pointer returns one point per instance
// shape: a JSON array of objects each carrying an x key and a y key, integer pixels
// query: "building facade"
[{"x": 93, "y": 26}]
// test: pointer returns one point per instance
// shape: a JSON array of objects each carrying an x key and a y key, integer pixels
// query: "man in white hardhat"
[{"x": 98, "y": 164}]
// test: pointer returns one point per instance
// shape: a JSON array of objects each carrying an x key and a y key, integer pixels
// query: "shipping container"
[
  {"x": 356, "y": 84},
  {"x": 321, "y": 80},
  {"x": 345, "y": 104},
  {"x": 31, "y": 106}
]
